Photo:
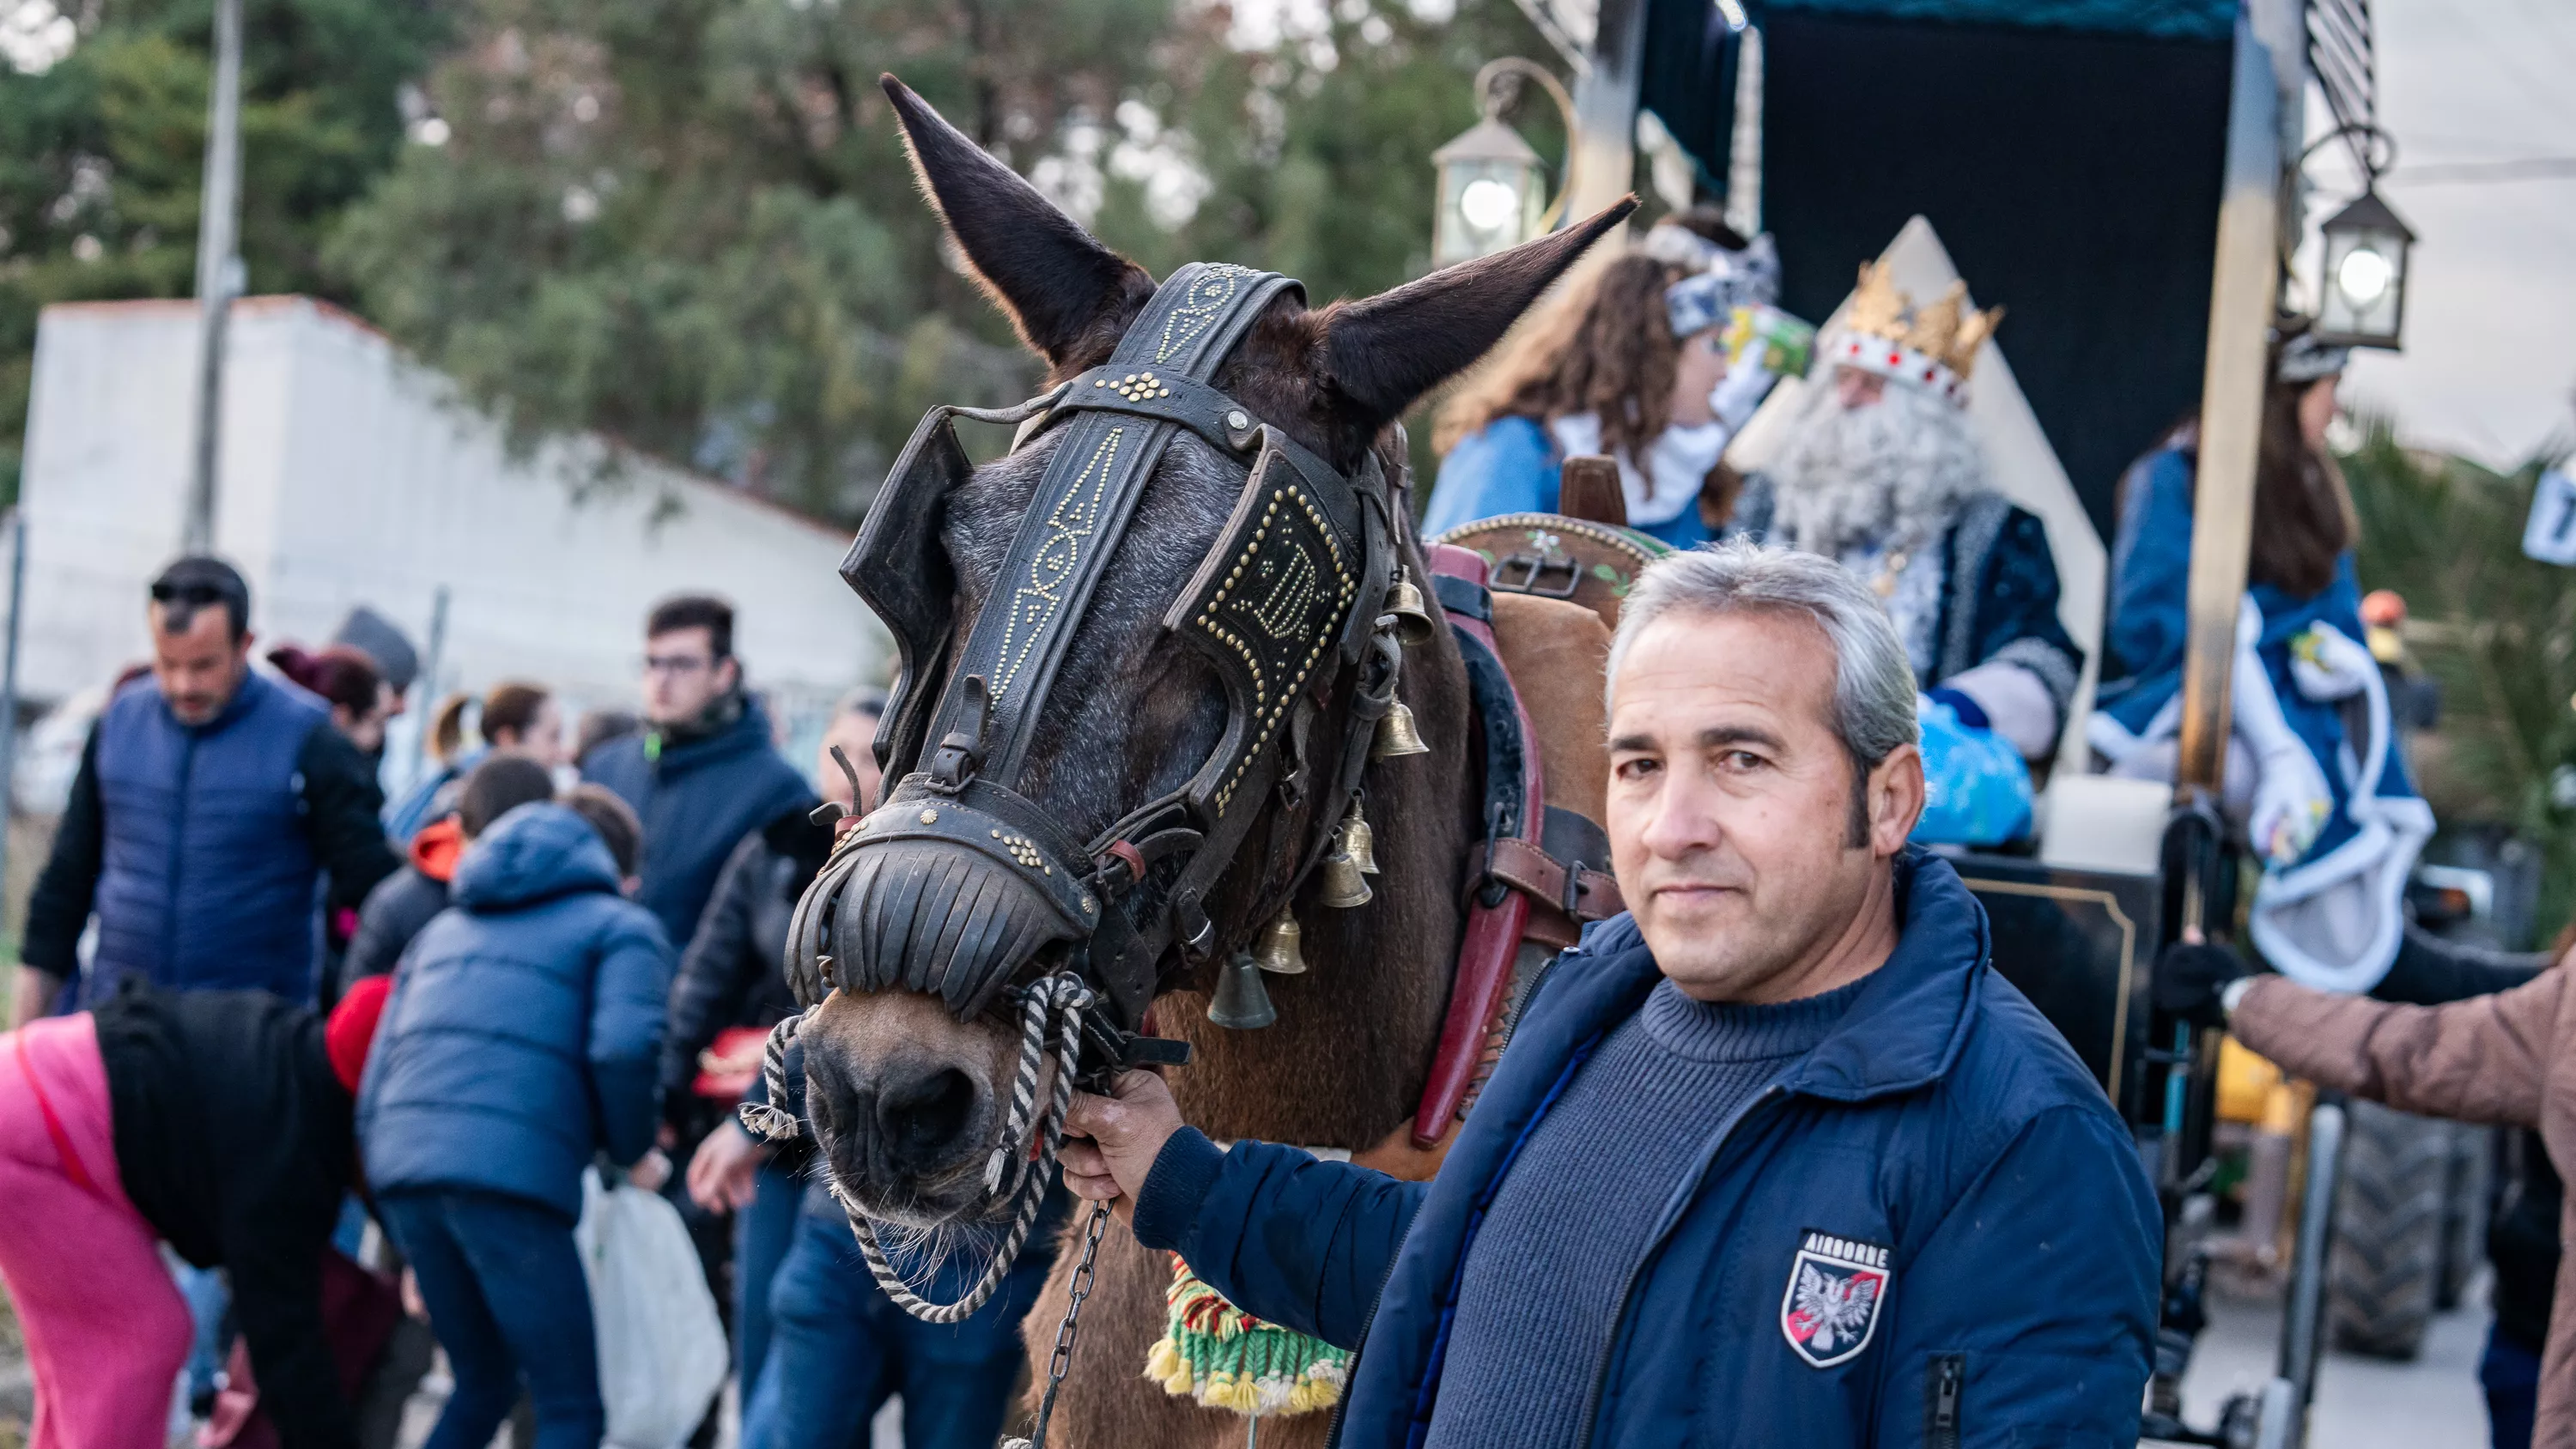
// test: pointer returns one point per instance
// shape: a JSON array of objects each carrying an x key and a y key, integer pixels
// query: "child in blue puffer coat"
[{"x": 522, "y": 1037}]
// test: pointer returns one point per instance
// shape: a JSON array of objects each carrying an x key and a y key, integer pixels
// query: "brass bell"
[
  {"x": 1277, "y": 951},
  {"x": 1241, "y": 1002},
  {"x": 1413, "y": 622},
  {"x": 1358, "y": 841},
  {"x": 1396, "y": 736},
  {"x": 1344, "y": 886}
]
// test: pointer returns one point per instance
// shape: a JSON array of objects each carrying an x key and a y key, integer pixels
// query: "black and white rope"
[
  {"x": 1061, "y": 999},
  {"x": 772, "y": 1119},
  {"x": 1053, "y": 1001}
]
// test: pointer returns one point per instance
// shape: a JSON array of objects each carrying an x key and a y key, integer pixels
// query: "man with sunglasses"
[{"x": 209, "y": 803}]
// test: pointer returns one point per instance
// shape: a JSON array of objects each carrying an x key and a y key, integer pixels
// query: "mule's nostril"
[{"x": 921, "y": 1121}]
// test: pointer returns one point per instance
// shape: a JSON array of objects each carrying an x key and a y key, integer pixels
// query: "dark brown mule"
[{"x": 906, "y": 1099}]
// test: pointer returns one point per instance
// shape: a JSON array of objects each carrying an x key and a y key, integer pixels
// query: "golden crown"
[{"x": 1933, "y": 345}]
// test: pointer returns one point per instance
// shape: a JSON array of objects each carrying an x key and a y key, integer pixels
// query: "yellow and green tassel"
[{"x": 1225, "y": 1358}]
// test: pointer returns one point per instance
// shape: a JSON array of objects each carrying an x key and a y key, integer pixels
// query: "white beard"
[{"x": 1893, "y": 473}]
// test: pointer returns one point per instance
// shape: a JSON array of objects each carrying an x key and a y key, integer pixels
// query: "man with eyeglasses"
[
  {"x": 209, "y": 802},
  {"x": 704, "y": 772}
]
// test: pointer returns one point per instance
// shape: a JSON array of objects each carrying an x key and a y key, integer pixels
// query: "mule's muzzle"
[
  {"x": 951, "y": 893},
  {"x": 906, "y": 1136}
]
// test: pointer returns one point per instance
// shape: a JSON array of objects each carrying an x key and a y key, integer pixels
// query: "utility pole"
[{"x": 218, "y": 268}]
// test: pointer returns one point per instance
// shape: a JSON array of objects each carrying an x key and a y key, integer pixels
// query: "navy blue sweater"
[{"x": 1536, "y": 1301}]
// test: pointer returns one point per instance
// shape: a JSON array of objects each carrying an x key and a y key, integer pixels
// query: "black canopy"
[{"x": 2070, "y": 161}]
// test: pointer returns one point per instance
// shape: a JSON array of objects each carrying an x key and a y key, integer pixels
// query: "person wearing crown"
[{"x": 1881, "y": 472}]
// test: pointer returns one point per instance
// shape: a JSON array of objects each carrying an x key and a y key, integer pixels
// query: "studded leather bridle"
[{"x": 957, "y": 883}]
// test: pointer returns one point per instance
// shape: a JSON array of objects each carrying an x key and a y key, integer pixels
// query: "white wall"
[{"x": 351, "y": 475}]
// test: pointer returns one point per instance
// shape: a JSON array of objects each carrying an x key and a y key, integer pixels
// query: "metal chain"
[{"x": 1062, "y": 1362}]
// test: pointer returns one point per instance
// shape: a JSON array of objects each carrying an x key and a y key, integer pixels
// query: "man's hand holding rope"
[{"x": 1110, "y": 1143}]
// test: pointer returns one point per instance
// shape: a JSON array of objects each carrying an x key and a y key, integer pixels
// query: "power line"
[{"x": 2528, "y": 168}]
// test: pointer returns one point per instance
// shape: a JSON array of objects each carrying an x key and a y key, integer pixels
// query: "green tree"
[
  {"x": 689, "y": 223},
  {"x": 101, "y": 154},
  {"x": 2495, "y": 629}
]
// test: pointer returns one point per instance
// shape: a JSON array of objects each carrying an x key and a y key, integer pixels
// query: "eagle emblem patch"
[{"x": 1837, "y": 1286}]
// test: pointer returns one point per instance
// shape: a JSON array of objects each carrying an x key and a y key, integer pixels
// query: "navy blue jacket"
[
  {"x": 525, "y": 1023},
  {"x": 201, "y": 847},
  {"x": 1943, "y": 1121},
  {"x": 697, "y": 801}
]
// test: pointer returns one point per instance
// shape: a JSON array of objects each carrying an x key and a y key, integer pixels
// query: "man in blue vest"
[
  {"x": 210, "y": 802},
  {"x": 1776, "y": 1158},
  {"x": 704, "y": 772}
]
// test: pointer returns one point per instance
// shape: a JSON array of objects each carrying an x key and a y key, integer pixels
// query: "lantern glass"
[
  {"x": 1486, "y": 205},
  {"x": 2362, "y": 294},
  {"x": 1493, "y": 191}
]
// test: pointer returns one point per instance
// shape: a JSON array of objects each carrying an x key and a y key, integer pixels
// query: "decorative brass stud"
[{"x": 929, "y": 817}]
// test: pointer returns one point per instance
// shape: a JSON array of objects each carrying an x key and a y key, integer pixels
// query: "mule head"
[{"x": 909, "y": 1083}]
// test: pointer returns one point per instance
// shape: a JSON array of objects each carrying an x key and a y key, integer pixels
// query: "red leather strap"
[
  {"x": 72, "y": 1166},
  {"x": 1493, "y": 935}
]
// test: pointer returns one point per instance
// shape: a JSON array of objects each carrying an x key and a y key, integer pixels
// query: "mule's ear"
[
  {"x": 1386, "y": 351},
  {"x": 1068, "y": 295}
]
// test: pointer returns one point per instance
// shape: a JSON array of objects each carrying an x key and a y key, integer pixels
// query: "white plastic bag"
[{"x": 662, "y": 1352}]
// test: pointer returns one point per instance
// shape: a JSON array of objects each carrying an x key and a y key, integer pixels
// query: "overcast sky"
[{"x": 2490, "y": 359}]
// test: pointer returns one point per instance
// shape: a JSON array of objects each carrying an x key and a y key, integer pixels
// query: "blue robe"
[
  {"x": 2375, "y": 823},
  {"x": 1511, "y": 465}
]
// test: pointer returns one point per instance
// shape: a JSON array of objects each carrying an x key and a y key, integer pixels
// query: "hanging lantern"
[
  {"x": 1493, "y": 186},
  {"x": 2362, "y": 301}
]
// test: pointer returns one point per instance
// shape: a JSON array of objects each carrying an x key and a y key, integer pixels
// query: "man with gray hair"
[{"x": 1775, "y": 1158}]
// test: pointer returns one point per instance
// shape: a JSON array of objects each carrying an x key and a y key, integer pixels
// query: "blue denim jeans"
[
  {"x": 508, "y": 1302},
  {"x": 210, "y": 1309},
  {"x": 763, "y": 1232},
  {"x": 2510, "y": 1374},
  {"x": 839, "y": 1348}
]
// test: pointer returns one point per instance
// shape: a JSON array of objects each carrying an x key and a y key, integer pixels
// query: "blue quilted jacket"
[{"x": 525, "y": 1027}]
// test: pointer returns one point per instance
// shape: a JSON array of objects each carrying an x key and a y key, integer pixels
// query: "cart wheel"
[{"x": 2386, "y": 1268}]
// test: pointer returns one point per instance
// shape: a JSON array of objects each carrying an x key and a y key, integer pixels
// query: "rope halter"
[{"x": 1052, "y": 1002}]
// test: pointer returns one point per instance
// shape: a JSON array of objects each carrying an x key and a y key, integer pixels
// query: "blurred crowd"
[{"x": 316, "y": 1078}]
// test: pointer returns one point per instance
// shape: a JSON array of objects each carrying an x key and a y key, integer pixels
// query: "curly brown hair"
[{"x": 1605, "y": 348}]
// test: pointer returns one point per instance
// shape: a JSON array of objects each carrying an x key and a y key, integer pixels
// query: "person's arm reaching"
[
  {"x": 628, "y": 1003},
  {"x": 58, "y": 909},
  {"x": 343, "y": 815},
  {"x": 715, "y": 972},
  {"x": 2430, "y": 970},
  {"x": 2032, "y": 1307},
  {"x": 1284, "y": 1236},
  {"x": 2480, "y": 1060}
]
